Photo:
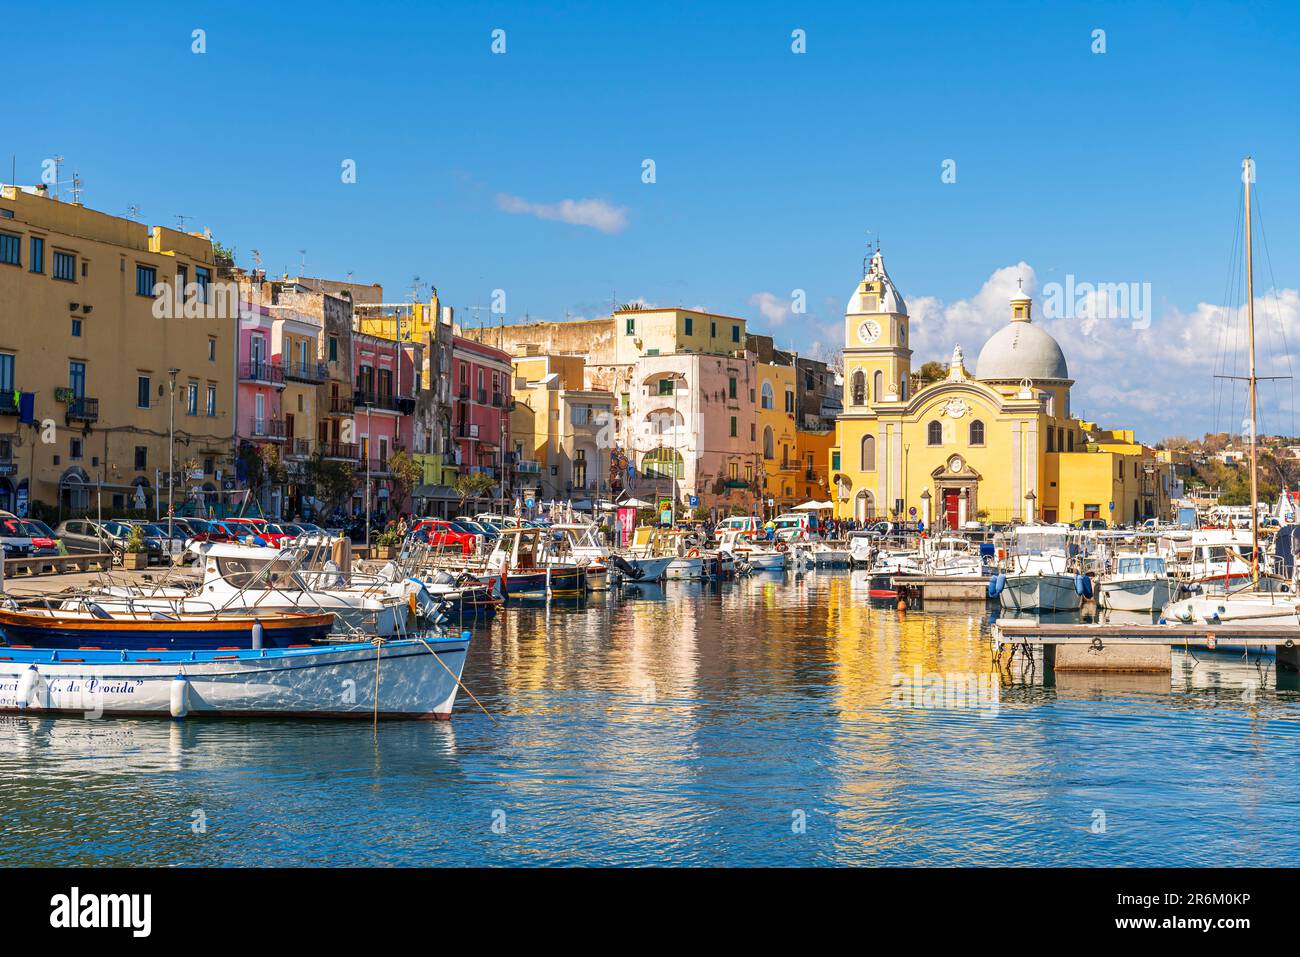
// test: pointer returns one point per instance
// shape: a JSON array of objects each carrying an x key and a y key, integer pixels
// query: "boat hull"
[
  {"x": 685, "y": 569},
  {"x": 1040, "y": 593},
  {"x": 564, "y": 582},
  {"x": 394, "y": 680},
  {"x": 1139, "y": 594},
  {"x": 57, "y": 631}
]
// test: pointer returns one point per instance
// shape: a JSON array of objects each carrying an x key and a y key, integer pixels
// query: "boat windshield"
[
  {"x": 1155, "y": 566},
  {"x": 1040, "y": 543},
  {"x": 1130, "y": 566},
  {"x": 245, "y": 572}
]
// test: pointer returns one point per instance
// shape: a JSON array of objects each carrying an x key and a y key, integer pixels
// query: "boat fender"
[
  {"x": 465, "y": 635},
  {"x": 259, "y": 633},
  {"x": 31, "y": 689},
  {"x": 180, "y": 693},
  {"x": 996, "y": 585}
]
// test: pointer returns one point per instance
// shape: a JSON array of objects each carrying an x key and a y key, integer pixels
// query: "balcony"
[
  {"x": 272, "y": 430},
  {"x": 344, "y": 451},
  {"x": 9, "y": 402},
  {"x": 497, "y": 400},
  {"x": 298, "y": 448},
  {"x": 82, "y": 409},
  {"x": 467, "y": 430},
  {"x": 463, "y": 394},
  {"x": 263, "y": 372},
  {"x": 342, "y": 405},
  {"x": 384, "y": 401},
  {"x": 482, "y": 396},
  {"x": 528, "y": 467},
  {"x": 378, "y": 466},
  {"x": 313, "y": 372}
]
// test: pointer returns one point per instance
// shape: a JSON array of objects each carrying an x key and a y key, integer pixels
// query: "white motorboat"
[
  {"x": 951, "y": 556},
  {"x": 653, "y": 544},
  {"x": 1140, "y": 582},
  {"x": 1255, "y": 607},
  {"x": 1213, "y": 560},
  {"x": 747, "y": 550},
  {"x": 1038, "y": 576},
  {"x": 238, "y": 579},
  {"x": 396, "y": 679}
]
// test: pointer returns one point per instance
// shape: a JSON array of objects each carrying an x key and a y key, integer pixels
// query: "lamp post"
[{"x": 171, "y": 451}]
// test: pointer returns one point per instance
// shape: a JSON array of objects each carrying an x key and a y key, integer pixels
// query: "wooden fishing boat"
[
  {"x": 91, "y": 627},
  {"x": 521, "y": 557},
  {"x": 393, "y": 679}
]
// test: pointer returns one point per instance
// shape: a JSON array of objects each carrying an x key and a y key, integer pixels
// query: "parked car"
[
  {"x": 1090, "y": 525},
  {"x": 157, "y": 531},
  {"x": 84, "y": 536},
  {"x": 201, "y": 530},
  {"x": 16, "y": 538},
  {"x": 260, "y": 528},
  {"x": 442, "y": 533}
]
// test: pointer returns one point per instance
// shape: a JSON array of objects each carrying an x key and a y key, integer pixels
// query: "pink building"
[
  {"x": 386, "y": 383},
  {"x": 480, "y": 412},
  {"x": 259, "y": 420}
]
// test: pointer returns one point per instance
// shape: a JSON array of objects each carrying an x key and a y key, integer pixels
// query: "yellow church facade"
[{"x": 996, "y": 443}]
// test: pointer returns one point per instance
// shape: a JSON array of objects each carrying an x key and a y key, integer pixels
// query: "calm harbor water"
[{"x": 773, "y": 721}]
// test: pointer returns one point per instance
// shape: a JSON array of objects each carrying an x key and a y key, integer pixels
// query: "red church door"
[{"x": 950, "y": 499}]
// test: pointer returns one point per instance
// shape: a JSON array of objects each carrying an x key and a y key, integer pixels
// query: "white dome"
[{"x": 1021, "y": 350}]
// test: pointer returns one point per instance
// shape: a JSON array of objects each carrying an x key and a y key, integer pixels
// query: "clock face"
[
  {"x": 956, "y": 464},
  {"x": 869, "y": 331}
]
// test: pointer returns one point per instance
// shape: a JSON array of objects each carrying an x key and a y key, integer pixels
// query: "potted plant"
[
  {"x": 135, "y": 555},
  {"x": 388, "y": 542}
]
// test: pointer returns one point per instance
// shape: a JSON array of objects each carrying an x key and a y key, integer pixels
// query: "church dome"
[{"x": 1021, "y": 350}]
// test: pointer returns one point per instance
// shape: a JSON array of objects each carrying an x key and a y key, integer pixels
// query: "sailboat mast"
[{"x": 1247, "y": 168}]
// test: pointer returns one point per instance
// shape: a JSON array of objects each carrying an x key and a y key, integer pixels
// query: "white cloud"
[
  {"x": 775, "y": 310},
  {"x": 1159, "y": 380},
  {"x": 595, "y": 213}
]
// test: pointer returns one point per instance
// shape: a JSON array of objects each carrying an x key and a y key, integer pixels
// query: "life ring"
[
  {"x": 782, "y": 547},
  {"x": 693, "y": 553}
]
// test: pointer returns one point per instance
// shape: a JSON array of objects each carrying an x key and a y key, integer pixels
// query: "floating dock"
[
  {"x": 1140, "y": 648},
  {"x": 943, "y": 587}
]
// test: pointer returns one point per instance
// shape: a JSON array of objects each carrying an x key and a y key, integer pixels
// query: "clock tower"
[{"x": 877, "y": 358}]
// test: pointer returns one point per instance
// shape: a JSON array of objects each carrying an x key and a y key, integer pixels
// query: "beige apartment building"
[{"x": 99, "y": 315}]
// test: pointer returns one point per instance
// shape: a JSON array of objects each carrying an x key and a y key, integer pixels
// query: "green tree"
[
  {"x": 334, "y": 482},
  {"x": 473, "y": 485},
  {"x": 405, "y": 474}
]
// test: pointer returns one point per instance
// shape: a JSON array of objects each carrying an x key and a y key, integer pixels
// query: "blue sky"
[{"x": 773, "y": 169}]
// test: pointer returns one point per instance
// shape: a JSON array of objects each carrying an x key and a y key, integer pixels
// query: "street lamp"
[{"x": 171, "y": 452}]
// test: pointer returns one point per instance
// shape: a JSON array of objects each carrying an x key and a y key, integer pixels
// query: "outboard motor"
[{"x": 627, "y": 568}]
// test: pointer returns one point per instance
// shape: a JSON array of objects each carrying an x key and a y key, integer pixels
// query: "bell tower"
[{"x": 877, "y": 357}]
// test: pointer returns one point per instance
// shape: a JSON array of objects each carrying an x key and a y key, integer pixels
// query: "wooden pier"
[{"x": 1140, "y": 648}]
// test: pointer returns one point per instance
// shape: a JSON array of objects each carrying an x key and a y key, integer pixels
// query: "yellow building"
[
  {"x": 561, "y": 433},
  {"x": 778, "y": 438},
  {"x": 998, "y": 445},
  {"x": 95, "y": 313}
]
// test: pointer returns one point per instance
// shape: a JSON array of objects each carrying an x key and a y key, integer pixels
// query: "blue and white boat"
[{"x": 413, "y": 679}]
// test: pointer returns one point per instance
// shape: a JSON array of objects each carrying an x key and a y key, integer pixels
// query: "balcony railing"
[
  {"x": 306, "y": 371},
  {"x": 272, "y": 429},
  {"x": 83, "y": 409},
  {"x": 497, "y": 399},
  {"x": 383, "y": 400},
  {"x": 298, "y": 448},
  {"x": 9, "y": 402},
  {"x": 482, "y": 396},
  {"x": 261, "y": 372},
  {"x": 347, "y": 451},
  {"x": 463, "y": 393},
  {"x": 342, "y": 404},
  {"x": 528, "y": 467},
  {"x": 379, "y": 466},
  {"x": 467, "y": 430}
]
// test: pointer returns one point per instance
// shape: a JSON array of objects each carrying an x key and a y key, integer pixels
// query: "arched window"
[
  {"x": 977, "y": 432},
  {"x": 768, "y": 397},
  {"x": 859, "y": 388},
  {"x": 934, "y": 433},
  {"x": 769, "y": 449},
  {"x": 878, "y": 384},
  {"x": 868, "y": 453},
  {"x": 662, "y": 463}
]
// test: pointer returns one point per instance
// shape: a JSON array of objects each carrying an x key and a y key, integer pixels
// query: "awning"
[{"x": 435, "y": 491}]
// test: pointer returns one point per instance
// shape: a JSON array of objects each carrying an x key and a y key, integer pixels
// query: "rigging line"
[{"x": 1272, "y": 280}]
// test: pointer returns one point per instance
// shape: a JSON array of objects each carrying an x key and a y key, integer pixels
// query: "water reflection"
[{"x": 773, "y": 720}]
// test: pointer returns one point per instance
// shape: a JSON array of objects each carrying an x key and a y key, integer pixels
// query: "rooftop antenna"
[
  {"x": 180, "y": 219},
  {"x": 132, "y": 212},
  {"x": 303, "y": 254},
  {"x": 76, "y": 187},
  {"x": 58, "y": 168}
]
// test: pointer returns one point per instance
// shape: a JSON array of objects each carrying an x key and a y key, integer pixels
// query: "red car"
[
  {"x": 271, "y": 534},
  {"x": 444, "y": 534}
]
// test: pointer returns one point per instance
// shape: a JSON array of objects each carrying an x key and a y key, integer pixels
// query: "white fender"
[
  {"x": 33, "y": 691},
  {"x": 180, "y": 696}
]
